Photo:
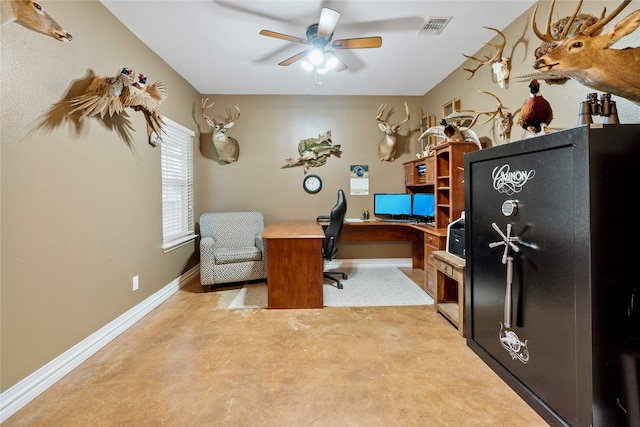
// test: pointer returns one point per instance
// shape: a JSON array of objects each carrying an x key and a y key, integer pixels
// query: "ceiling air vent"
[{"x": 434, "y": 25}]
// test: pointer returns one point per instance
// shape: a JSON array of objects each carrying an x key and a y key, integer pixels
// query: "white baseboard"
[
  {"x": 16, "y": 397},
  {"x": 369, "y": 262},
  {"x": 19, "y": 395}
]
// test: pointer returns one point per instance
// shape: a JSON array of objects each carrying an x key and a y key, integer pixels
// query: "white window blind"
[{"x": 177, "y": 185}]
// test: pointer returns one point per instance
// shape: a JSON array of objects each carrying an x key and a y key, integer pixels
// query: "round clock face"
[{"x": 312, "y": 183}]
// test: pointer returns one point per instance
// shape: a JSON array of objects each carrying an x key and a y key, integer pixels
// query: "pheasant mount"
[{"x": 110, "y": 96}]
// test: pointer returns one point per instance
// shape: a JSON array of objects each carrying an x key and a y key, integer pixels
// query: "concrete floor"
[{"x": 190, "y": 363}]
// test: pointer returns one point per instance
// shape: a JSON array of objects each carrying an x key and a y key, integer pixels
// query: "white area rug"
[
  {"x": 367, "y": 286},
  {"x": 251, "y": 296},
  {"x": 374, "y": 286}
]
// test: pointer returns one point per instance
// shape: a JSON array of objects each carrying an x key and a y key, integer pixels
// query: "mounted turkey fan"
[{"x": 318, "y": 37}]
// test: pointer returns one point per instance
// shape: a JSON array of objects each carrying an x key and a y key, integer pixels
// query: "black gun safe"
[{"x": 552, "y": 271}]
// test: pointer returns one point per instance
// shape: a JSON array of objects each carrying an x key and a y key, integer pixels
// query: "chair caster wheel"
[
  {"x": 339, "y": 285},
  {"x": 344, "y": 276}
]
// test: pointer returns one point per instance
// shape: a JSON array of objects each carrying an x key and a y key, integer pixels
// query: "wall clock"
[{"x": 312, "y": 184}]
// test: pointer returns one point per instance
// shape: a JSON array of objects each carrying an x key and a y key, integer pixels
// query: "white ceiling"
[{"x": 216, "y": 46}]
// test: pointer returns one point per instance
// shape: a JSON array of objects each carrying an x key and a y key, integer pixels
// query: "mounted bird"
[
  {"x": 102, "y": 96},
  {"x": 536, "y": 113},
  {"x": 147, "y": 98},
  {"x": 111, "y": 95},
  {"x": 452, "y": 133}
]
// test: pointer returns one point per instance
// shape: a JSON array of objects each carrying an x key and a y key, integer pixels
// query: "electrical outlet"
[{"x": 135, "y": 283}]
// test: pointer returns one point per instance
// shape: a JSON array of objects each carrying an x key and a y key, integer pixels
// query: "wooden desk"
[
  {"x": 383, "y": 231},
  {"x": 424, "y": 240},
  {"x": 449, "y": 298},
  {"x": 294, "y": 264},
  {"x": 379, "y": 231}
]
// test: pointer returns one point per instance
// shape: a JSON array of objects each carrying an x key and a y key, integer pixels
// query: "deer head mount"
[
  {"x": 226, "y": 147},
  {"x": 588, "y": 57},
  {"x": 502, "y": 120},
  {"x": 500, "y": 66},
  {"x": 31, "y": 15},
  {"x": 556, "y": 29},
  {"x": 388, "y": 147}
]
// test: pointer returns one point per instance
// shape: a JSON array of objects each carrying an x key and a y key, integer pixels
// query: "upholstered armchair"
[{"x": 231, "y": 248}]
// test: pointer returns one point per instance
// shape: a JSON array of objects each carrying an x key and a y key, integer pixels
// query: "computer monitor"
[
  {"x": 394, "y": 205},
  {"x": 424, "y": 206}
]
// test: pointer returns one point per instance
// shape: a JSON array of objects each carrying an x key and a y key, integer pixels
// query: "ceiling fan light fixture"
[
  {"x": 316, "y": 56},
  {"x": 331, "y": 61},
  {"x": 319, "y": 36}
]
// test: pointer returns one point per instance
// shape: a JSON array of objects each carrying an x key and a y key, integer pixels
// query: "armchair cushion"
[{"x": 231, "y": 255}]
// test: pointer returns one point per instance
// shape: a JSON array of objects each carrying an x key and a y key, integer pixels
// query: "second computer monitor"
[{"x": 424, "y": 206}]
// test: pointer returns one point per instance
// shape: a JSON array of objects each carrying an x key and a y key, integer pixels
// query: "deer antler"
[
  {"x": 548, "y": 37},
  {"x": 604, "y": 21},
  {"x": 380, "y": 111},
  {"x": 503, "y": 123},
  {"x": 204, "y": 106},
  {"x": 492, "y": 113},
  {"x": 394, "y": 126},
  {"x": 488, "y": 60},
  {"x": 231, "y": 117},
  {"x": 406, "y": 109}
]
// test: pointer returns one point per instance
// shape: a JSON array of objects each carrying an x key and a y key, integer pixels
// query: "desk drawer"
[
  {"x": 431, "y": 240},
  {"x": 428, "y": 252},
  {"x": 444, "y": 267}
]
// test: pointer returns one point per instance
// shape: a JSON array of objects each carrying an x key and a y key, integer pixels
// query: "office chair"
[{"x": 332, "y": 236}]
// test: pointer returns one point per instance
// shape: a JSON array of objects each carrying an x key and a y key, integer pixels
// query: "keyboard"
[{"x": 396, "y": 220}]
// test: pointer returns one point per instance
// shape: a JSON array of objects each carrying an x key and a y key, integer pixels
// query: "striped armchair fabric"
[{"x": 231, "y": 248}]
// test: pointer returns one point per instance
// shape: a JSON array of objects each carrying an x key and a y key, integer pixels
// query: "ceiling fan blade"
[
  {"x": 358, "y": 43},
  {"x": 283, "y": 37},
  {"x": 294, "y": 58},
  {"x": 328, "y": 20},
  {"x": 341, "y": 65}
]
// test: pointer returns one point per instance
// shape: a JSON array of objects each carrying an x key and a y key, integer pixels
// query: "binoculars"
[{"x": 591, "y": 107}]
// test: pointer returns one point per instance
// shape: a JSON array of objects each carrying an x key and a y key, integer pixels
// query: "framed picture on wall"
[
  {"x": 425, "y": 123},
  {"x": 450, "y": 106}
]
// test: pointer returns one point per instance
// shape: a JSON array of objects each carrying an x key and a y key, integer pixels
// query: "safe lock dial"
[{"x": 509, "y": 207}]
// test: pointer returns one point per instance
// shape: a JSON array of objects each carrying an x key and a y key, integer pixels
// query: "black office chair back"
[{"x": 332, "y": 233}]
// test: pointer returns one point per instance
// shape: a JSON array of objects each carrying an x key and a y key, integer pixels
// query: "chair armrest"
[
  {"x": 207, "y": 244},
  {"x": 260, "y": 245}
]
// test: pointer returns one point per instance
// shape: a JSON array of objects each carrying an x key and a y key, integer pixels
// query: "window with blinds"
[{"x": 177, "y": 185}]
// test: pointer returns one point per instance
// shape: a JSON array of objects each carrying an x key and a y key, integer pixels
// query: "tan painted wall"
[
  {"x": 269, "y": 130},
  {"x": 521, "y": 43},
  {"x": 81, "y": 208}
]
